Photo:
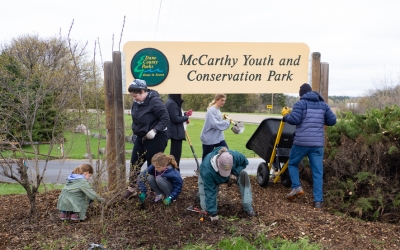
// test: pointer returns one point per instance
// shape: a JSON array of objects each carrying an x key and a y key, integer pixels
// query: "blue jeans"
[
  {"x": 244, "y": 188},
  {"x": 315, "y": 156}
]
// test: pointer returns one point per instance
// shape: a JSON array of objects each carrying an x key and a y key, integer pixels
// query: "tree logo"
[{"x": 150, "y": 65}]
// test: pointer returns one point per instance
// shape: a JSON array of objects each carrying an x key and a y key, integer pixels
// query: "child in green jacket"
[{"x": 77, "y": 194}]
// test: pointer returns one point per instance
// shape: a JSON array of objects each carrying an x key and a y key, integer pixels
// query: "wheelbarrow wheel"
[
  {"x": 263, "y": 174},
  {"x": 285, "y": 179}
]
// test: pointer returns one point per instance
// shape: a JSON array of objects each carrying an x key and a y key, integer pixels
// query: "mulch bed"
[{"x": 125, "y": 225}]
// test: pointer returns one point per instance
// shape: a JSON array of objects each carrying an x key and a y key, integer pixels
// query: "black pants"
[
  {"x": 144, "y": 150},
  {"x": 209, "y": 148},
  {"x": 176, "y": 150}
]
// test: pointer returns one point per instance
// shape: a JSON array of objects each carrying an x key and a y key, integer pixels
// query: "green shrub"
[{"x": 363, "y": 159}]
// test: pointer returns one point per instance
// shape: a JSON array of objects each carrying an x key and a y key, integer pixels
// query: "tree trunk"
[
  {"x": 32, "y": 202},
  {"x": 30, "y": 190}
]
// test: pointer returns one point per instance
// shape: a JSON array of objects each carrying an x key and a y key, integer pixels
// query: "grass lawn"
[
  {"x": 16, "y": 188},
  {"x": 75, "y": 146}
]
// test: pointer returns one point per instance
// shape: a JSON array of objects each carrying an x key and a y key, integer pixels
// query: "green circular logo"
[{"x": 150, "y": 65}]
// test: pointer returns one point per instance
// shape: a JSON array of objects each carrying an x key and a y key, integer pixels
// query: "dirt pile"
[{"x": 126, "y": 226}]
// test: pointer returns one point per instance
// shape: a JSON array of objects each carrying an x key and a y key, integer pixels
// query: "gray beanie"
[{"x": 138, "y": 84}]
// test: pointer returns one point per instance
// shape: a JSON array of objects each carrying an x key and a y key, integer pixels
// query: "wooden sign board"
[{"x": 217, "y": 67}]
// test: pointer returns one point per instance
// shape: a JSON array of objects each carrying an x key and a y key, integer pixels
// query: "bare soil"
[{"x": 124, "y": 225}]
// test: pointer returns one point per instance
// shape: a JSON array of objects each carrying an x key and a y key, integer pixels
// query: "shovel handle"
[
  {"x": 194, "y": 153},
  {"x": 187, "y": 136}
]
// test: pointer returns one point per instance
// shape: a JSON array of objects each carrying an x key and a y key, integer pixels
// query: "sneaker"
[
  {"x": 64, "y": 216},
  {"x": 75, "y": 217},
  {"x": 159, "y": 197},
  {"x": 129, "y": 193},
  {"x": 295, "y": 192},
  {"x": 318, "y": 204},
  {"x": 251, "y": 213}
]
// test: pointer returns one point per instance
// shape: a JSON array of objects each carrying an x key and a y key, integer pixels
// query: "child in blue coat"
[{"x": 163, "y": 177}]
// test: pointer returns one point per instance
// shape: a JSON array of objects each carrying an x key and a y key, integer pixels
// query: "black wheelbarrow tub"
[{"x": 263, "y": 140}]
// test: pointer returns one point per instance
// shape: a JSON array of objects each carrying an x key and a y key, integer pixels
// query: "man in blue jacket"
[
  {"x": 309, "y": 114},
  {"x": 222, "y": 166}
]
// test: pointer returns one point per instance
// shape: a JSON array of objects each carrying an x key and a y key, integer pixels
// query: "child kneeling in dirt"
[
  {"x": 77, "y": 194},
  {"x": 223, "y": 166},
  {"x": 163, "y": 177}
]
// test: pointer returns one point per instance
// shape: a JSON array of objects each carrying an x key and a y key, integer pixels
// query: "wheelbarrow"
[{"x": 272, "y": 141}]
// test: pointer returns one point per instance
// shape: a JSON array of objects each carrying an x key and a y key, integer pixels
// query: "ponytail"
[
  {"x": 221, "y": 150},
  {"x": 172, "y": 161},
  {"x": 216, "y": 98}
]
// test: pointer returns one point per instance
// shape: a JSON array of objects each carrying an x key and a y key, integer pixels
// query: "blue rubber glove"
[
  {"x": 142, "y": 197},
  {"x": 167, "y": 201}
]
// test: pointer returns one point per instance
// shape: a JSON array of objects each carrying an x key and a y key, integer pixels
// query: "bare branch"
[
  {"x": 70, "y": 28},
  {"x": 101, "y": 56},
  {"x": 112, "y": 46},
  {"x": 122, "y": 31}
]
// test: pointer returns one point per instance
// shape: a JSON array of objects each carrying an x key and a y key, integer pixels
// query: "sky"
[{"x": 359, "y": 39}]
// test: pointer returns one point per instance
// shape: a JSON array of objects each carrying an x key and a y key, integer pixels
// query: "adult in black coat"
[
  {"x": 149, "y": 123},
  {"x": 177, "y": 125}
]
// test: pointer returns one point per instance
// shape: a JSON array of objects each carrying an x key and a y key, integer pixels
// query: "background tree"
[
  {"x": 38, "y": 79},
  {"x": 197, "y": 102}
]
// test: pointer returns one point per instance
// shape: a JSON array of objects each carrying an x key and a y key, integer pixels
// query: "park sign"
[{"x": 217, "y": 67}]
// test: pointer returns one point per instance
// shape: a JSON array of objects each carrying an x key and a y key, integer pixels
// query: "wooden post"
[
  {"x": 324, "y": 84},
  {"x": 324, "y": 81},
  {"x": 316, "y": 71},
  {"x": 110, "y": 125},
  {"x": 119, "y": 121}
]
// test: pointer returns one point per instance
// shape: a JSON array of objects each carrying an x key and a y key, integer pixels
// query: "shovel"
[
  {"x": 237, "y": 127},
  {"x": 194, "y": 153}
]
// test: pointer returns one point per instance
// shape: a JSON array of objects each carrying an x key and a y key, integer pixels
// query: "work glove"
[
  {"x": 232, "y": 179},
  {"x": 142, "y": 197},
  {"x": 151, "y": 134},
  {"x": 285, "y": 111},
  {"x": 189, "y": 112},
  {"x": 187, "y": 122},
  {"x": 225, "y": 116},
  {"x": 214, "y": 219},
  {"x": 167, "y": 201}
]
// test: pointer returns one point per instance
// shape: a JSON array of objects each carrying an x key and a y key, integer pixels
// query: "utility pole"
[{"x": 272, "y": 102}]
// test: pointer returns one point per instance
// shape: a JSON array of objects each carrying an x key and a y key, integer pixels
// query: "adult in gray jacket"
[
  {"x": 309, "y": 114},
  {"x": 177, "y": 125},
  {"x": 212, "y": 134}
]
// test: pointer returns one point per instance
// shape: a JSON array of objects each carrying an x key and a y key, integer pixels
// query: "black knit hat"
[{"x": 304, "y": 89}]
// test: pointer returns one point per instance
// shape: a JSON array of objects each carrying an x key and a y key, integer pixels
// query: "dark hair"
[
  {"x": 137, "y": 86},
  {"x": 134, "y": 90}
]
